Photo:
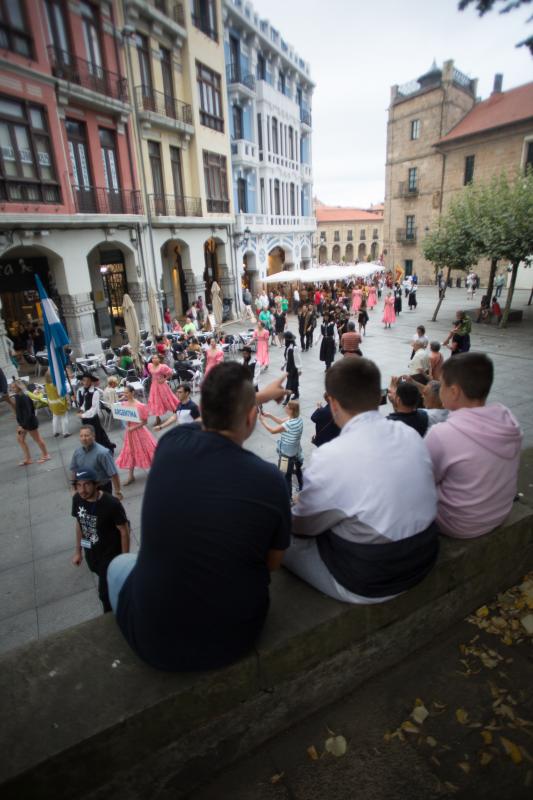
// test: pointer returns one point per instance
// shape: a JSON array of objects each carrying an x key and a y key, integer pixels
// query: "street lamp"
[{"x": 243, "y": 240}]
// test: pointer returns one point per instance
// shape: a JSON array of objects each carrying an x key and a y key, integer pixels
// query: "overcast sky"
[{"x": 359, "y": 49}]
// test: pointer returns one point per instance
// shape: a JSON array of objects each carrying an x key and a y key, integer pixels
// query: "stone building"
[
  {"x": 114, "y": 160},
  {"x": 270, "y": 94},
  {"x": 439, "y": 139},
  {"x": 347, "y": 235}
]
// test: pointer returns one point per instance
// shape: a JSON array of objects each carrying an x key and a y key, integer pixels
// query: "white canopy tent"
[{"x": 328, "y": 273}]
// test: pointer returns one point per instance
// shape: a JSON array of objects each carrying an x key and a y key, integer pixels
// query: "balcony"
[
  {"x": 167, "y": 14},
  {"x": 305, "y": 117},
  {"x": 244, "y": 153},
  {"x": 217, "y": 206},
  {"x": 263, "y": 223},
  {"x": 406, "y": 235},
  {"x": 407, "y": 190},
  {"x": 100, "y": 200},
  {"x": 168, "y": 205},
  {"x": 163, "y": 110},
  {"x": 86, "y": 82},
  {"x": 237, "y": 81}
]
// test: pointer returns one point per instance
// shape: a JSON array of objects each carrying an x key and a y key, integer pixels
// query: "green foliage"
[
  {"x": 484, "y": 6},
  {"x": 454, "y": 243}
]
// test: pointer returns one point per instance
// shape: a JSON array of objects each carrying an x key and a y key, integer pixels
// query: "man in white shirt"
[
  {"x": 368, "y": 503},
  {"x": 420, "y": 360},
  {"x": 295, "y": 301}
]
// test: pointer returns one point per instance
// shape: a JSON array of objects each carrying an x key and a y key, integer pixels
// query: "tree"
[
  {"x": 483, "y": 6},
  {"x": 454, "y": 243},
  {"x": 506, "y": 224}
]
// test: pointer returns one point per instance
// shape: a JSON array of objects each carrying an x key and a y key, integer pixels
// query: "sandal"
[
  {"x": 128, "y": 481},
  {"x": 25, "y": 463},
  {"x": 43, "y": 459}
]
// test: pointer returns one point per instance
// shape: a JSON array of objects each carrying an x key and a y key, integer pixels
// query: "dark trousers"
[
  {"x": 293, "y": 384},
  {"x": 103, "y": 593},
  {"x": 309, "y": 339},
  {"x": 294, "y": 465}
]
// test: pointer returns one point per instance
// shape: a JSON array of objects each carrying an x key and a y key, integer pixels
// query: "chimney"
[{"x": 498, "y": 81}]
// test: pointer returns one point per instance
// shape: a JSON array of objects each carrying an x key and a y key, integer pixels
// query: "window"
[
  {"x": 168, "y": 81},
  {"x": 412, "y": 180},
  {"x": 323, "y": 236},
  {"x": 415, "y": 129},
  {"x": 57, "y": 32},
  {"x": 349, "y": 236},
  {"x": 204, "y": 17},
  {"x": 277, "y": 207},
  {"x": 237, "y": 122},
  {"x": 260, "y": 136},
  {"x": 177, "y": 178},
  {"x": 275, "y": 146},
  {"x": 27, "y": 169},
  {"x": 143, "y": 54},
  {"x": 408, "y": 266},
  {"x": 111, "y": 176},
  {"x": 529, "y": 156},
  {"x": 79, "y": 159},
  {"x": 336, "y": 236},
  {"x": 91, "y": 36},
  {"x": 154, "y": 154},
  {"x": 362, "y": 235},
  {"x": 410, "y": 226},
  {"x": 375, "y": 233},
  {"x": 13, "y": 29},
  {"x": 282, "y": 83},
  {"x": 469, "y": 170},
  {"x": 242, "y": 199},
  {"x": 216, "y": 182},
  {"x": 292, "y": 200},
  {"x": 210, "y": 98},
  {"x": 262, "y": 193},
  {"x": 260, "y": 70},
  {"x": 291, "y": 144}
]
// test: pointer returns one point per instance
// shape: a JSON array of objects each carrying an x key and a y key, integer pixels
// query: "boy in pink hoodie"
[{"x": 475, "y": 453}]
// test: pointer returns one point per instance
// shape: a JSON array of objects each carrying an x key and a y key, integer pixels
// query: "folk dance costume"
[
  {"x": 357, "y": 297},
  {"x": 161, "y": 398},
  {"x": 212, "y": 358},
  {"x": 327, "y": 346},
  {"x": 372, "y": 299},
  {"x": 89, "y": 404},
  {"x": 262, "y": 355},
  {"x": 293, "y": 367},
  {"x": 139, "y": 444},
  {"x": 389, "y": 315}
]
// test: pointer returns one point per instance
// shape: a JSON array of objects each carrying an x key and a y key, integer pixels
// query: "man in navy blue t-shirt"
[{"x": 215, "y": 522}]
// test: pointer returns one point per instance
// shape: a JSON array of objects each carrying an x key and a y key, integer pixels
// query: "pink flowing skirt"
[
  {"x": 138, "y": 450},
  {"x": 161, "y": 399}
]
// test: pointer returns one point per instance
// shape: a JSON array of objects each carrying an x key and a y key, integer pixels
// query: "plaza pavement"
[{"x": 41, "y": 592}]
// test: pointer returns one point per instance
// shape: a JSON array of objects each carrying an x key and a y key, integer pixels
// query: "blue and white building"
[{"x": 270, "y": 91}]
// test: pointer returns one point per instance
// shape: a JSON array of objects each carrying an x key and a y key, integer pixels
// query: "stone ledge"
[
  {"x": 84, "y": 717},
  {"x": 515, "y": 315}
]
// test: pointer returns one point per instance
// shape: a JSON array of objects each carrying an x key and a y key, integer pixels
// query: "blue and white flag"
[{"x": 56, "y": 339}]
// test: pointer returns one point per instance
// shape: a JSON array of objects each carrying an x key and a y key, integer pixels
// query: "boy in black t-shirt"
[{"x": 102, "y": 529}]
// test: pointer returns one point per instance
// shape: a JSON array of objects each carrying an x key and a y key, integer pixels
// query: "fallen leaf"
[
  {"x": 485, "y": 758},
  {"x": 527, "y": 624},
  {"x": 482, "y": 612},
  {"x": 487, "y": 736},
  {"x": 439, "y": 706},
  {"x": 277, "y": 778},
  {"x": 461, "y": 716},
  {"x": 336, "y": 745},
  {"x": 312, "y": 753},
  {"x": 408, "y": 727},
  {"x": 435, "y": 760},
  {"x": 431, "y": 741},
  {"x": 512, "y": 750},
  {"x": 452, "y": 788},
  {"x": 465, "y": 766},
  {"x": 420, "y": 714}
]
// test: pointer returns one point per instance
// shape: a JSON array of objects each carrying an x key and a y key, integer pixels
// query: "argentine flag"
[{"x": 56, "y": 339}]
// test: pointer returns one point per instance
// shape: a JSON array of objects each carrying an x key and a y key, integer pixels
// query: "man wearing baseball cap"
[{"x": 102, "y": 529}]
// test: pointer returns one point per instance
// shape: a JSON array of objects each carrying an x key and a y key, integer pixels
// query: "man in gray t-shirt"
[{"x": 95, "y": 457}]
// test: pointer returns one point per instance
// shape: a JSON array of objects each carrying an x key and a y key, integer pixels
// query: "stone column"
[
  {"x": 195, "y": 287},
  {"x": 139, "y": 295},
  {"x": 227, "y": 284},
  {"x": 78, "y": 311}
]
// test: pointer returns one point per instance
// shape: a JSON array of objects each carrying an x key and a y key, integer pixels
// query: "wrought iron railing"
[
  {"x": 218, "y": 206},
  {"x": 406, "y": 189},
  {"x": 101, "y": 200},
  {"x": 168, "y": 205},
  {"x": 305, "y": 117},
  {"x": 160, "y": 103},
  {"x": 204, "y": 26},
  {"x": 406, "y": 235},
  {"x": 71, "y": 68},
  {"x": 234, "y": 74}
]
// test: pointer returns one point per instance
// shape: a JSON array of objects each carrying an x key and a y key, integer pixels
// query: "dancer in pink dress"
[
  {"x": 213, "y": 356},
  {"x": 261, "y": 336},
  {"x": 162, "y": 398},
  {"x": 357, "y": 297},
  {"x": 389, "y": 315},
  {"x": 139, "y": 444},
  {"x": 372, "y": 299}
]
